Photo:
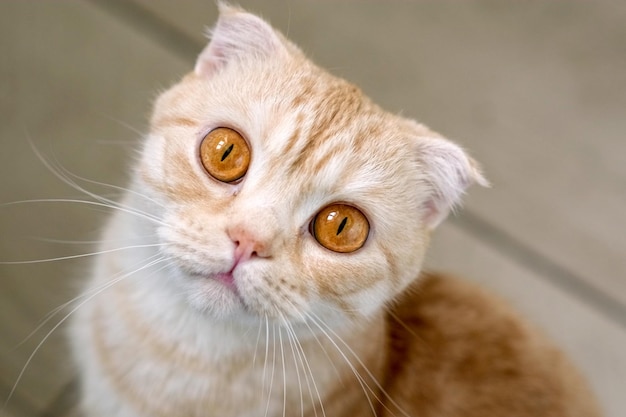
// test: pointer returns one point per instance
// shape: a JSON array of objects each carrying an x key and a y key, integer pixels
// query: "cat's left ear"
[
  {"x": 449, "y": 172},
  {"x": 237, "y": 35}
]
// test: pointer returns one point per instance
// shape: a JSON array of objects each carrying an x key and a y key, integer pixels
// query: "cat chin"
[{"x": 213, "y": 298}]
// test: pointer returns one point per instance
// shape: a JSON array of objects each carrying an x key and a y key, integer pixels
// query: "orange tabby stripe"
[
  {"x": 123, "y": 387},
  {"x": 170, "y": 357},
  {"x": 173, "y": 121},
  {"x": 143, "y": 332},
  {"x": 332, "y": 112},
  {"x": 393, "y": 267}
]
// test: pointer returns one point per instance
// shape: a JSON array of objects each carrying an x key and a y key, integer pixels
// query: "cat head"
[{"x": 287, "y": 193}]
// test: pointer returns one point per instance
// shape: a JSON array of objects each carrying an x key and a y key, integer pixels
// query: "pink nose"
[{"x": 247, "y": 244}]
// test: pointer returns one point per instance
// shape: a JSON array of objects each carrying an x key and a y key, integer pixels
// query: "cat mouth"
[
  {"x": 227, "y": 279},
  {"x": 222, "y": 282}
]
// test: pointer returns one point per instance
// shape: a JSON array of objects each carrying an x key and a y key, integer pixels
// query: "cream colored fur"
[{"x": 307, "y": 331}]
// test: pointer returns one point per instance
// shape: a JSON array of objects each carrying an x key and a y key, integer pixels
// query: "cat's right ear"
[
  {"x": 449, "y": 172},
  {"x": 237, "y": 35}
]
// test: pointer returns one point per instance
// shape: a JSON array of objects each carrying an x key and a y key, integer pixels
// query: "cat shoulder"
[{"x": 456, "y": 350}]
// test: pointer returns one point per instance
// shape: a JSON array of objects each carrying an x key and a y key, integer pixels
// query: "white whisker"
[
  {"x": 107, "y": 142},
  {"x": 93, "y": 242},
  {"x": 282, "y": 354},
  {"x": 308, "y": 365},
  {"x": 269, "y": 393},
  {"x": 291, "y": 337},
  {"x": 50, "y": 315},
  {"x": 87, "y": 202},
  {"x": 315, "y": 320},
  {"x": 124, "y": 124},
  {"x": 104, "y": 184},
  {"x": 80, "y": 255},
  {"x": 267, "y": 346},
  {"x": 256, "y": 345},
  {"x": 321, "y": 345},
  {"x": 364, "y": 386},
  {"x": 62, "y": 174},
  {"x": 56, "y": 326}
]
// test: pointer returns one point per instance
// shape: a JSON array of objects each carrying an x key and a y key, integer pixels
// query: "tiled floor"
[{"x": 536, "y": 90}]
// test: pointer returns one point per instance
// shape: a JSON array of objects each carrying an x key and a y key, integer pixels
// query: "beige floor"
[{"x": 536, "y": 90}]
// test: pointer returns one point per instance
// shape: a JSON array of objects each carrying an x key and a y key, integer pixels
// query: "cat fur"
[{"x": 307, "y": 332}]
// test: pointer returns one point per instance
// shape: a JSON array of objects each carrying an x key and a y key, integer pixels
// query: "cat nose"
[{"x": 248, "y": 244}]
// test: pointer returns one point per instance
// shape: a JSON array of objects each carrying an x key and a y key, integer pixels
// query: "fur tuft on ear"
[
  {"x": 450, "y": 171},
  {"x": 237, "y": 35}
]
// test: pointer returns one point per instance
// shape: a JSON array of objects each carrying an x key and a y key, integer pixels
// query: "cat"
[{"x": 284, "y": 219}]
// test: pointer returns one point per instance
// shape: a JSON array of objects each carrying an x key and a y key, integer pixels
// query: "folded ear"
[
  {"x": 237, "y": 35},
  {"x": 449, "y": 172}
]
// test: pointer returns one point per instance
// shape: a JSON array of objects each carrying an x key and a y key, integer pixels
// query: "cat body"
[{"x": 281, "y": 221}]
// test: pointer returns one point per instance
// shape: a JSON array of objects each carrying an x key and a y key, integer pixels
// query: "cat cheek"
[
  {"x": 153, "y": 156},
  {"x": 369, "y": 300},
  {"x": 273, "y": 292}
]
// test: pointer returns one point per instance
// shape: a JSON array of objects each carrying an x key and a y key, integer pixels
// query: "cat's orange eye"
[
  {"x": 225, "y": 154},
  {"x": 340, "y": 228}
]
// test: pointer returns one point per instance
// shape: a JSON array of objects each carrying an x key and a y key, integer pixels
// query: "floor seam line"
[{"x": 547, "y": 269}]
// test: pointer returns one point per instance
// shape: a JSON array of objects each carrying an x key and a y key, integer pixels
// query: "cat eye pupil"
[
  {"x": 227, "y": 152},
  {"x": 342, "y": 225}
]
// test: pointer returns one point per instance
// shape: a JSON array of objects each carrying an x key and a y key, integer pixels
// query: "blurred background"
[{"x": 535, "y": 90}]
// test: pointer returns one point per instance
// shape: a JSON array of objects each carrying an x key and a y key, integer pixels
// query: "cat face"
[{"x": 287, "y": 192}]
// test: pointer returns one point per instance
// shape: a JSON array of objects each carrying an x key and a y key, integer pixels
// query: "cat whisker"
[
  {"x": 93, "y": 242},
  {"x": 364, "y": 386},
  {"x": 318, "y": 322},
  {"x": 111, "y": 142},
  {"x": 404, "y": 325},
  {"x": 61, "y": 173},
  {"x": 305, "y": 320},
  {"x": 267, "y": 346},
  {"x": 124, "y": 124},
  {"x": 64, "y": 319},
  {"x": 282, "y": 354},
  {"x": 125, "y": 190},
  {"x": 256, "y": 345},
  {"x": 291, "y": 337},
  {"x": 91, "y": 203},
  {"x": 64, "y": 175},
  {"x": 50, "y": 315},
  {"x": 269, "y": 393},
  {"x": 308, "y": 367},
  {"x": 80, "y": 255},
  {"x": 310, "y": 371}
]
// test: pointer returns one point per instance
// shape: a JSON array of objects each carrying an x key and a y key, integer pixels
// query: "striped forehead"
[
  {"x": 327, "y": 125},
  {"x": 331, "y": 155}
]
